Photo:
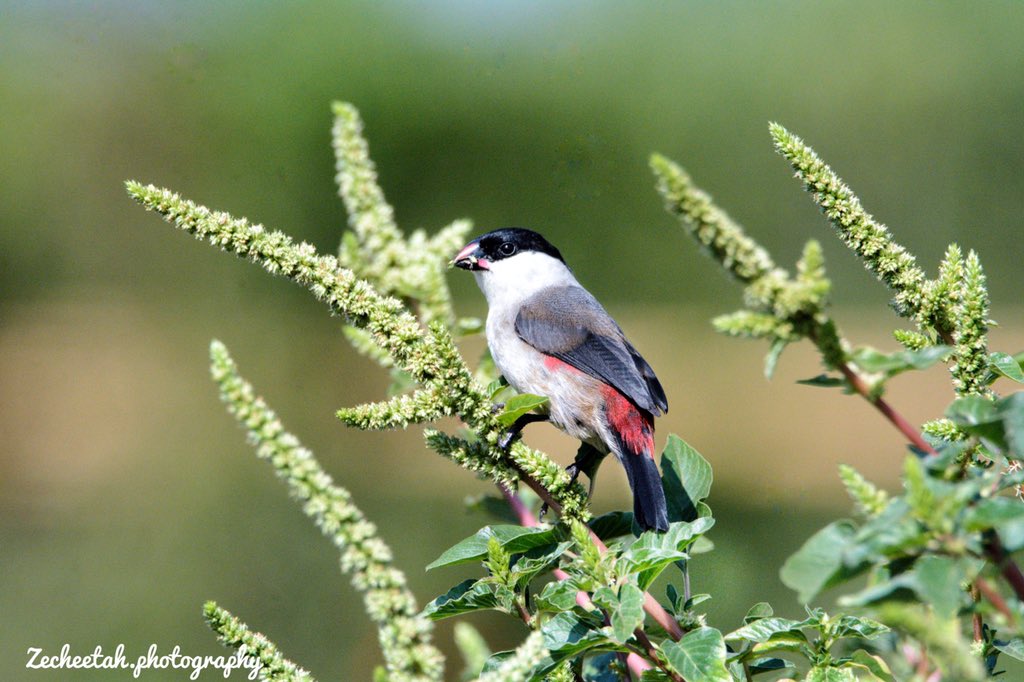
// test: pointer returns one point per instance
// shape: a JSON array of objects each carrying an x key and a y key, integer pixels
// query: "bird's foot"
[
  {"x": 574, "y": 473},
  {"x": 516, "y": 430},
  {"x": 505, "y": 442}
]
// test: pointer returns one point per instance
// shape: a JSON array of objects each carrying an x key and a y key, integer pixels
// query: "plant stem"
[
  {"x": 651, "y": 605},
  {"x": 977, "y": 624},
  {"x": 1008, "y": 568},
  {"x": 634, "y": 662},
  {"x": 895, "y": 418},
  {"x": 993, "y": 546},
  {"x": 988, "y": 592}
]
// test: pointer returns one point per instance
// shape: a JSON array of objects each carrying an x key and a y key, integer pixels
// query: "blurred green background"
[{"x": 129, "y": 497}]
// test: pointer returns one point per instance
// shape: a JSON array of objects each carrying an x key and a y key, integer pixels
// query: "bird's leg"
[
  {"x": 517, "y": 427},
  {"x": 588, "y": 458}
]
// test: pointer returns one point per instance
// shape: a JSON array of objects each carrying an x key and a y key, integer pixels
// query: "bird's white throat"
[{"x": 510, "y": 281}]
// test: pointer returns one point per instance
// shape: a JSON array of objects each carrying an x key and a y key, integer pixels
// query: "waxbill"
[{"x": 550, "y": 337}]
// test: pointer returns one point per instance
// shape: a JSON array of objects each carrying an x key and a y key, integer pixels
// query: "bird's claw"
[
  {"x": 574, "y": 474},
  {"x": 505, "y": 442}
]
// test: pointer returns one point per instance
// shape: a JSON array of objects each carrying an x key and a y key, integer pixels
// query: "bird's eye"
[{"x": 507, "y": 248}]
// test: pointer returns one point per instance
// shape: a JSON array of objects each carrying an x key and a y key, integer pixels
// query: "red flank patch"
[
  {"x": 634, "y": 427},
  {"x": 553, "y": 364}
]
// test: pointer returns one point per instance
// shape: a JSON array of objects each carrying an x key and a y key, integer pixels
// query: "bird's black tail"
[
  {"x": 632, "y": 431},
  {"x": 649, "y": 508}
]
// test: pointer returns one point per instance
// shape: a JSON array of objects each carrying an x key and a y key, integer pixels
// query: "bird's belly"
[{"x": 575, "y": 401}]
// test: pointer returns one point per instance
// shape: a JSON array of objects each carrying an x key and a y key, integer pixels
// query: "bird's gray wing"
[{"x": 569, "y": 324}]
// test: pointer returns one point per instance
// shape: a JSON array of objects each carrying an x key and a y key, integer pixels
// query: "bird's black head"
[{"x": 501, "y": 244}]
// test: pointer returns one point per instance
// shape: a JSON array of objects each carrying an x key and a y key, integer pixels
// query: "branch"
[
  {"x": 868, "y": 238},
  {"x": 236, "y": 635},
  {"x": 428, "y": 355},
  {"x": 636, "y": 664},
  {"x": 403, "y": 633}
]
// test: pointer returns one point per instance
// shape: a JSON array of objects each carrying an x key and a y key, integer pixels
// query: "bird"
[{"x": 550, "y": 337}]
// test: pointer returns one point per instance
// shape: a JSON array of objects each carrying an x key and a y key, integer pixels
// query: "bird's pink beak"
[{"x": 470, "y": 258}]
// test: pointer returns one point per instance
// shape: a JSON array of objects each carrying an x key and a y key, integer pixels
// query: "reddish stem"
[
  {"x": 997, "y": 554},
  {"x": 991, "y": 543},
  {"x": 895, "y": 418},
  {"x": 651, "y": 605},
  {"x": 977, "y": 624},
  {"x": 988, "y": 592},
  {"x": 637, "y": 665}
]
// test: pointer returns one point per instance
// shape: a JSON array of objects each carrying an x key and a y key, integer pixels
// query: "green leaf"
[
  {"x": 401, "y": 381},
  {"x": 628, "y": 614},
  {"x": 1013, "y": 648},
  {"x": 902, "y": 588},
  {"x": 823, "y": 380},
  {"x": 794, "y": 641},
  {"x": 874, "y": 666},
  {"x": 513, "y": 539},
  {"x": 763, "y": 629},
  {"x": 492, "y": 506},
  {"x": 468, "y": 596},
  {"x": 819, "y": 562},
  {"x": 496, "y": 659},
  {"x": 891, "y": 364},
  {"x": 1011, "y": 411},
  {"x": 694, "y": 600},
  {"x": 1005, "y": 365},
  {"x": 769, "y": 665},
  {"x": 566, "y": 635},
  {"x": 758, "y": 611},
  {"x": 699, "y": 656},
  {"x": 830, "y": 674},
  {"x": 612, "y": 525},
  {"x": 979, "y": 417},
  {"x": 993, "y": 512},
  {"x": 1012, "y": 535},
  {"x": 518, "y": 405},
  {"x": 559, "y": 595},
  {"x": 890, "y": 533},
  {"x": 654, "y": 675},
  {"x": 686, "y": 477},
  {"x": 701, "y": 545},
  {"x": 496, "y": 387},
  {"x": 972, "y": 410},
  {"x": 939, "y": 581},
  {"x": 856, "y": 626},
  {"x": 536, "y": 561},
  {"x": 601, "y": 668},
  {"x": 772, "y": 358},
  {"x": 653, "y": 551}
]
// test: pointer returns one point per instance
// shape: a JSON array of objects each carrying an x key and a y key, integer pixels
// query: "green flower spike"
[
  {"x": 404, "y": 634},
  {"x": 235, "y": 634},
  {"x": 868, "y": 238}
]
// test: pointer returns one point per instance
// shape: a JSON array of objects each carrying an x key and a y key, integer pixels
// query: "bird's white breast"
[{"x": 575, "y": 398}]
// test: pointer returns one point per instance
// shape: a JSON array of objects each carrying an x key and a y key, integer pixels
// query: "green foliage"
[
  {"x": 404, "y": 635},
  {"x": 936, "y": 580},
  {"x": 765, "y": 640},
  {"x": 521, "y": 562},
  {"x": 518, "y": 405},
  {"x": 235, "y": 634},
  {"x": 870, "y": 499},
  {"x": 473, "y": 648},
  {"x": 942, "y": 547}
]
